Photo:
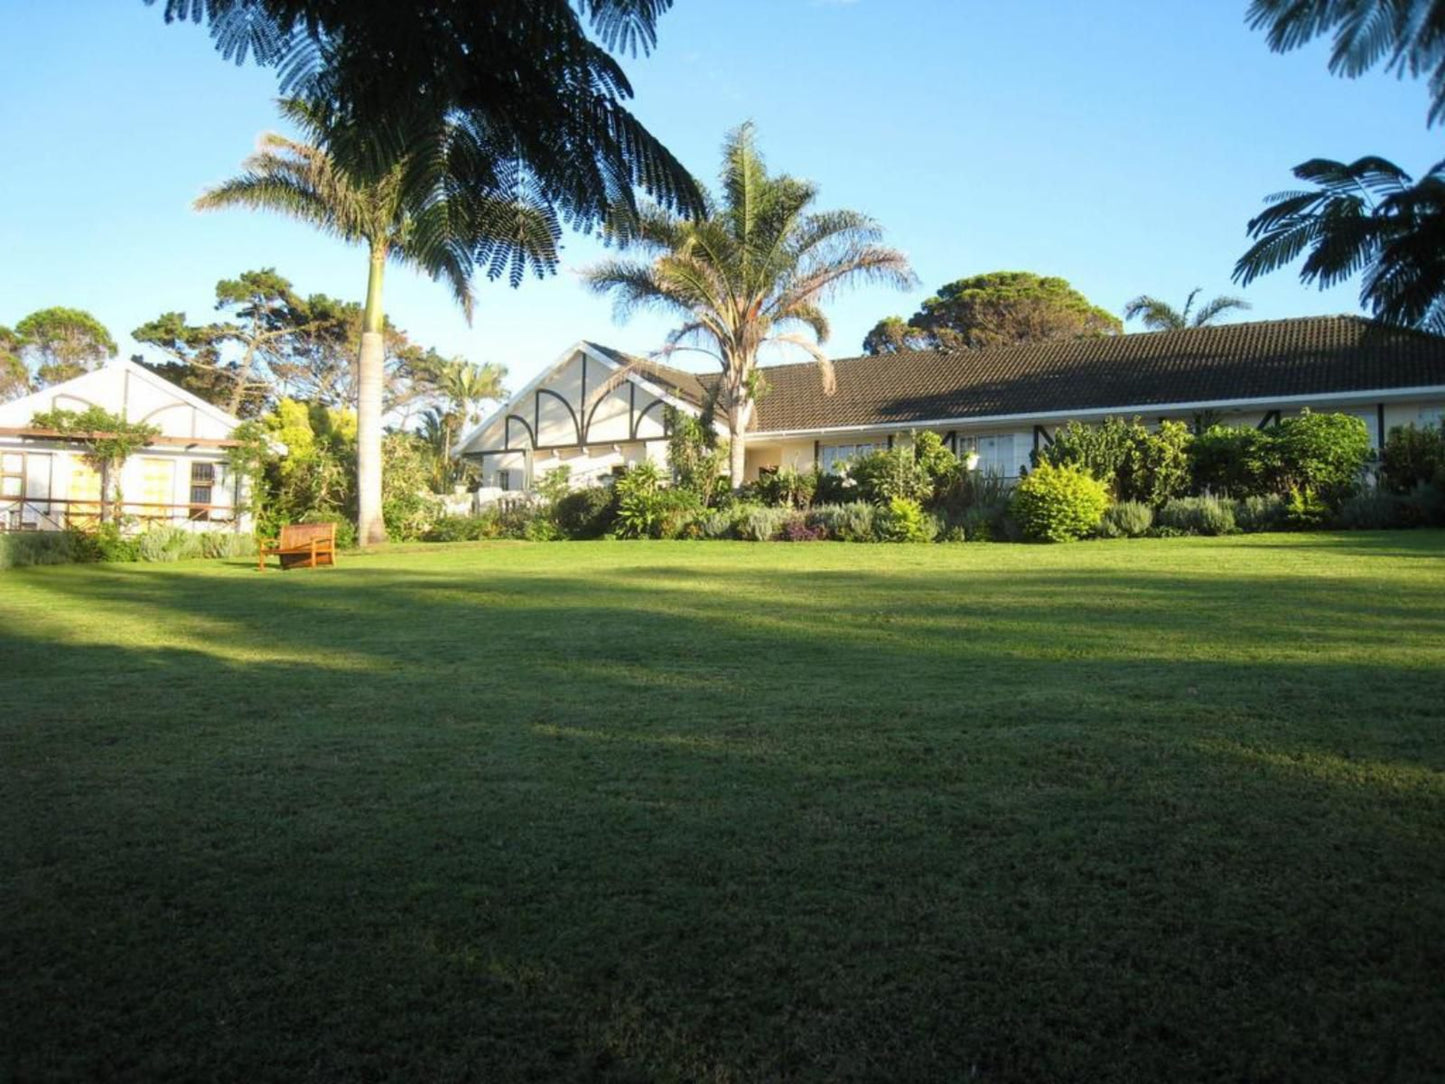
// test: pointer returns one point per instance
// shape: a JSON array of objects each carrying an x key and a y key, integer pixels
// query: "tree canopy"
[
  {"x": 14, "y": 376},
  {"x": 1001, "y": 308},
  {"x": 1367, "y": 216},
  {"x": 1407, "y": 36},
  {"x": 509, "y": 99},
  {"x": 60, "y": 344}
]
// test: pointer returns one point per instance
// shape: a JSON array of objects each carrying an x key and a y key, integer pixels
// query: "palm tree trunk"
[
  {"x": 738, "y": 418},
  {"x": 370, "y": 527}
]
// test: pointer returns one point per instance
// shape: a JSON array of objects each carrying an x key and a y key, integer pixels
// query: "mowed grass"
[{"x": 1145, "y": 810}]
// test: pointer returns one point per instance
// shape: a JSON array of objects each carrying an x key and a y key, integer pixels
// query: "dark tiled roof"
[
  {"x": 1278, "y": 359},
  {"x": 684, "y": 385}
]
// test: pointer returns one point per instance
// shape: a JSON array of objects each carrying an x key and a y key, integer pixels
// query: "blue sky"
[{"x": 1122, "y": 144}]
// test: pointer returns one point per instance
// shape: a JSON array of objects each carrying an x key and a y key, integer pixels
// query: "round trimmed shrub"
[
  {"x": 1058, "y": 504},
  {"x": 903, "y": 519}
]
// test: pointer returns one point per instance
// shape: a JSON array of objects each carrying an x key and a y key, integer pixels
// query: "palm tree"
[
  {"x": 466, "y": 385},
  {"x": 754, "y": 269},
  {"x": 1159, "y": 315},
  {"x": 407, "y": 214},
  {"x": 1370, "y": 216}
]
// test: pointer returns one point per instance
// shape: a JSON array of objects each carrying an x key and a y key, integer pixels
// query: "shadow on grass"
[{"x": 659, "y": 824}]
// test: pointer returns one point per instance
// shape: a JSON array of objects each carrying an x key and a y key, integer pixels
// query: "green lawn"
[{"x": 1137, "y": 810}]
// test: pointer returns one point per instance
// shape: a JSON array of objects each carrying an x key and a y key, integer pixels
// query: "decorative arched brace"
[
  {"x": 648, "y": 409},
  {"x": 168, "y": 406},
  {"x": 507, "y": 433},
  {"x": 537, "y": 412}
]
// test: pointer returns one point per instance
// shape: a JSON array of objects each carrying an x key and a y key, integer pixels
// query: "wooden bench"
[{"x": 302, "y": 545}]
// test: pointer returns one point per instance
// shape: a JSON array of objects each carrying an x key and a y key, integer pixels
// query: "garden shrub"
[
  {"x": 1198, "y": 515},
  {"x": 1323, "y": 455},
  {"x": 1370, "y": 510},
  {"x": 786, "y": 488},
  {"x": 163, "y": 544},
  {"x": 1305, "y": 509},
  {"x": 219, "y": 544},
  {"x": 883, "y": 475},
  {"x": 1058, "y": 504},
  {"x": 852, "y": 522},
  {"x": 19, "y": 549},
  {"x": 797, "y": 528},
  {"x": 585, "y": 513},
  {"x": 1424, "y": 506},
  {"x": 1233, "y": 461},
  {"x": 408, "y": 507},
  {"x": 1260, "y": 513},
  {"x": 759, "y": 523},
  {"x": 1413, "y": 456},
  {"x": 1137, "y": 464},
  {"x": 1127, "y": 519},
  {"x": 904, "y": 520},
  {"x": 106, "y": 543},
  {"x": 989, "y": 522},
  {"x": 639, "y": 501}
]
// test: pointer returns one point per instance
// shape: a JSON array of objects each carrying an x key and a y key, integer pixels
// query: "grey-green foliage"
[
  {"x": 1199, "y": 515},
  {"x": 1127, "y": 519},
  {"x": 163, "y": 544},
  {"x": 846, "y": 522},
  {"x": 1261, "y": 513}
]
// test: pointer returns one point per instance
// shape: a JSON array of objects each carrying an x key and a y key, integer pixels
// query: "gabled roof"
[
  {"x": 79, "y": 387},
  {"x": 686, "y": 386},
  {"x": 1276, "y": 359}
]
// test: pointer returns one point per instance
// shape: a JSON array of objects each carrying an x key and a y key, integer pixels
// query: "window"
[
  {"x": 833, "y": 457},
  {"x": 996, "y": 455},
  {"x": 158, "y": 481},
  {"x": 1433, "y": 414},
  {"x": 504, "y": 481},
  {"x": 203, "y": 481},
  {"x": 12, "y": 475}
]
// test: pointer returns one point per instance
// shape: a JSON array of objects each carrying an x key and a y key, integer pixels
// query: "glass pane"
[
  {"x": 203, "y": 472},
  {"x": 13, "y": 463},
  {"x": 200, "y": 494},
  {"x": 11, "y": 486}
]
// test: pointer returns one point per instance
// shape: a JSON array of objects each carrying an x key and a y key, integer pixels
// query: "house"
[
  {"x": 595, "y": 410},
  {"x": 181, "y": 477}
]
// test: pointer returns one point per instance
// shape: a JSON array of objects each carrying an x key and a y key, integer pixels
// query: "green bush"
[
  {"x": 1137, "y": 464},
  {"x": 851, "y": 522},
  {"x": 1058, "y": 504},
  {"x": 639, "y": 501},
  {"x": 1305, "y": 509},
  {"x": 786, "y": 488},
  {"x": 1370, "y": 510},
  {"x": 106, "y": 543},
  {"x": 164, "y": 544},
  {"x": 19, "y": 549},
  {"x": 586, "y": 513},
  {"x": 1261, "y": 513},
  {"x": 989, "y": 522},
  {"x": 1233, "y": 461},
  {"x": 1198, "y": 515},
  {"x": 883, "y": 475},
  {"x": 904, "y": 520},
  {"x": 1322, "y": 454},
  {"x": 1413, "y": 456},
  {"x": 1424, "y": 506},
  {"x": 1127, "y": 519}
]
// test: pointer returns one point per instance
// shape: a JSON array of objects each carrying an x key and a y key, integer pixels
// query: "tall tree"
[
  {"x": 61, "y": 344},
  {"x": 1368, "y": 215},
  {"x": 436, "y": 230},
  {"x": 1001, "y": 308},
  {"x": 467, "y": 385},
  {"x": 14, "y": 376},
  {"x": 531, "y": 83},
  {"x": 1157, "y": 315},
  {"x": 755, "y": 269}
]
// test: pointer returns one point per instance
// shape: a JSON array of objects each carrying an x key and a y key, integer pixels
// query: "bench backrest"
[{"x": 294, "y": 535}]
